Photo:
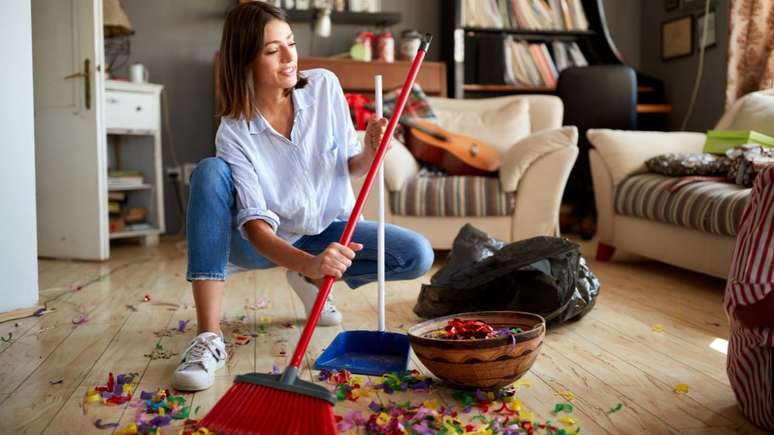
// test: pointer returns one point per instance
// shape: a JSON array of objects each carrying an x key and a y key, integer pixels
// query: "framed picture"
[
  {"x": 670, "y": 5},
  {"x": 709, "y": 21},
  {"x": 677, "y": 38}
]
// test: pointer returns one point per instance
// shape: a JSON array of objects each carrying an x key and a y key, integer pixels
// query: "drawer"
[{"x": 131, "y": 110}]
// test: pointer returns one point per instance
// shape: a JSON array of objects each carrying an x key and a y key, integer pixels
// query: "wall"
[
  {"x": 176, "y": 40},
  {"x": 679, "y": 74},
  {"x": 623, "y": 22},
  {"x": 18, "y": 257}
]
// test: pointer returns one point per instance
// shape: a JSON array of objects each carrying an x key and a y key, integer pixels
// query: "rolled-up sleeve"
[
  {"x": 342, "y": 118},
  {"x": 250, "y": 201}
]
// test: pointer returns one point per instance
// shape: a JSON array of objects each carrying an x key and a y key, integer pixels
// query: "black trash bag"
[{"x": 542, "y": 275}]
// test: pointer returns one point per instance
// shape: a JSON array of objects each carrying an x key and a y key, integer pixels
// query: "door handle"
[{"x": 86, "y": 74}]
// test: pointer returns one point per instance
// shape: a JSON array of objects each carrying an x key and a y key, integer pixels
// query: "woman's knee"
[
  {"x": 418, "y": 255},
  {"x": 212, "y": 176}
]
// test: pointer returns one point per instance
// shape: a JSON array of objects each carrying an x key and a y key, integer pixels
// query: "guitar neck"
[{"x": 408, "y": 122}]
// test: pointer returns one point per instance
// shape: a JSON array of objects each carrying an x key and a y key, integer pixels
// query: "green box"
[{"x": 718, "y": 141}]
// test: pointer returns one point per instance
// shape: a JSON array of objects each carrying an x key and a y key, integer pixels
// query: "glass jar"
[{"x": 409, "y": 44}]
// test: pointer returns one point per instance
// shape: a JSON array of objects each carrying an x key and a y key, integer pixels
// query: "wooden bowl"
[{"x": 485, "y": 364}]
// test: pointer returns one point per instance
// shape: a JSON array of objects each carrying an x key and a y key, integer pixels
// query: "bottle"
[{"x": 385, "y": 47}]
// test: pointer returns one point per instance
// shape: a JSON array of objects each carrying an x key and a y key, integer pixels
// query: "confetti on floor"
[
  {"x": 658, "y": 328},
  {"x": 615, "y": 409},
  {"x": 160, "y": 353},
  {"x": 567, "y": 395},
  {"x": 680, "y": 388}
]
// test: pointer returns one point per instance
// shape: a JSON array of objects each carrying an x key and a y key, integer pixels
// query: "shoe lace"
[{"x": 199, "y": 351}]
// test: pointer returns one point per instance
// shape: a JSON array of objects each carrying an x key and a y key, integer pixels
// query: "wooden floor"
[{"x": 611, "y": 356}]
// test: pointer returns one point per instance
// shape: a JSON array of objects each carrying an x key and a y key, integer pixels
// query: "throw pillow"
[
  {"x": 682, "y": 164},
  {"x": 500, "y": 126},
  {"x": 756, "y": 112},
  {"x": 747, "y": 162}
]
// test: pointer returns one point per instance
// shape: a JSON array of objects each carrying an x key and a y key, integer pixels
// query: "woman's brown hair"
[{"x": 241, "y": 42}]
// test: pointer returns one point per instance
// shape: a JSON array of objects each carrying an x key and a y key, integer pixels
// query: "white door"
[{"x": 70, "y": 150}]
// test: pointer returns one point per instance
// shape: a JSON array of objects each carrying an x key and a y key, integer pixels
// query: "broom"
[{"x": 269, "y": 404}]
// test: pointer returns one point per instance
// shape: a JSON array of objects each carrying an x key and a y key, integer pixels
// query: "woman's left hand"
[{"x": 374, "y": 132}]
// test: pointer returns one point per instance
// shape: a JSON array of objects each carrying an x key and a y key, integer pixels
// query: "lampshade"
[{"x": 115, "y": 20}]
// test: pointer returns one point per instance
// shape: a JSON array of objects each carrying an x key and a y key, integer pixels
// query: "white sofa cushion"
[
  {"x": 519, "y": 157},
  {"x": 625, "y": 152},
  {"x": 755, "y": 113},
  {"x": 499, "y": 126}
]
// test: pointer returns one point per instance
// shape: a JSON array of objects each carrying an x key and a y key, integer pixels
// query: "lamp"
[
  {"x": 117, "y": 29},
  {"x": 115, "y": 20}
]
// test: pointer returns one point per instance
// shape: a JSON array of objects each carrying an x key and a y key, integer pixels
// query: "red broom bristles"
[{"x": 255, "y": 410}]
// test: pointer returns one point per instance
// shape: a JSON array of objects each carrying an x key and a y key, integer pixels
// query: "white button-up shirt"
[{"x": 298, "y": 186}]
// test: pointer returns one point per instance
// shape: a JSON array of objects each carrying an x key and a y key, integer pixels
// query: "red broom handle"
[{"x": 346, "y": 237}]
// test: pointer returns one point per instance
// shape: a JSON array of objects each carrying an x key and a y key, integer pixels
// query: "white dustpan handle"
[{"x": 380, "y": 227}]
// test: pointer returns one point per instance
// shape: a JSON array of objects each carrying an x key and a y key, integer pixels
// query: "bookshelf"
[
  {"x": 133, "y": 126},
  {"x": 594, "y": 42}
]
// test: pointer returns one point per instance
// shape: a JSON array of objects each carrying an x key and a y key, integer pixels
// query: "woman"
[{"x": 278, "y": 192}]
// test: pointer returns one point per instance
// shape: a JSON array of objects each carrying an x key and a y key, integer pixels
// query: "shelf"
[
  {"x": 384, "y": 19},
  {"x": 121, "y": 189},
  {"x": 138, "y": 233},
  {"x": 505, "y": 88},
  {"x": 654, "y": 108},
  {"x": 554, "y": 34},
  {"x": 131, "y": 132}
]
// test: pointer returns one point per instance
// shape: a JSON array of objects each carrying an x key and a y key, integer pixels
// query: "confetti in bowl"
[{"x": 480, "y": 363}]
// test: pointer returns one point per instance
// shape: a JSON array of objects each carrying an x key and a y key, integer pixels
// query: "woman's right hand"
[{"x": 333, "y": 261}]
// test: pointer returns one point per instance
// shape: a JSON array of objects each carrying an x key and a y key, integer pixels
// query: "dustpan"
[{"x": 370, "y": 352}]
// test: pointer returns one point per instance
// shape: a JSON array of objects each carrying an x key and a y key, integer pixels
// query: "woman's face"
[{"x": 276, "y": 64}]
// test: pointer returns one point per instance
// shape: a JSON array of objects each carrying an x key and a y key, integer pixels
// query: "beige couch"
[
  {"x": 537, "y": 152},
  {"x": 618, "y": 155}
]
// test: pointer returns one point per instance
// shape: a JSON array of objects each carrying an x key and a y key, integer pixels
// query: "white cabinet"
[
  {"x": 133, "y": 125},
  {"x": 84, "y": 126}
]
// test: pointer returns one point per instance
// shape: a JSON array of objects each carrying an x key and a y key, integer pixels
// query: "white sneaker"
[
  {"x": 205, "y": 355},
  {"x": 307, "y": 291}
]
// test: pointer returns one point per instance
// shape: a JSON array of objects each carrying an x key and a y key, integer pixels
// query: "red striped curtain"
[{"x": 750, "y": 48}]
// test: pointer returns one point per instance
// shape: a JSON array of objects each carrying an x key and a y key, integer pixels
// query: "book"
[
  {"x": 550, "y": 62},
  {"x": 124, "y": 178},
  {"x": 114, "y": 208},
  {"x": 534, "y": 75},
  {"x": 542, "y": 67},
  {"x": 117, "y": 196},
  {"x": 578, "y": 59},
  {"x": 517, "y": 64}
]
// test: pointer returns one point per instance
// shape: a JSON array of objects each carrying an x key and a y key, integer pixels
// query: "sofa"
[
  {"x": 521, "y": 202},
  {"x": 694, "y": 226}
]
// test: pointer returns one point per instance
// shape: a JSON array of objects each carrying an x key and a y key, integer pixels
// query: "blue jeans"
[{"x": 214, "y": 241}]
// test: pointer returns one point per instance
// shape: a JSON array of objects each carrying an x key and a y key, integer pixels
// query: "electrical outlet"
[
  {"x": 188, "y": 169},
  {"x": 173, "y": 172}
]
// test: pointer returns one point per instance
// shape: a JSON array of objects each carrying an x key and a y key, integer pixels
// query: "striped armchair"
[
  {"x": 693, "y": 227},
  {"x": 522, "y": 202}
]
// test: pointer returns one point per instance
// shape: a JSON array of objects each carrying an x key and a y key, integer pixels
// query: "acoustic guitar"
[{"x": 455, "y": 153}]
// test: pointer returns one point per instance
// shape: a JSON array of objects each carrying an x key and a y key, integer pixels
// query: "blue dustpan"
[
  {"x": 370, "y": 352},
  {"x": 366, "y": 353}
]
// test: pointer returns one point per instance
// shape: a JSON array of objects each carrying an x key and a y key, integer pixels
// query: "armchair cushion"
[
  {"x": 499, "y": 126},
  {"x": 519, "y": 157},
  {"x": 625, "y": 152},
  {"x": 461, "y": 196},
  {"x": 707, "y": 206}
]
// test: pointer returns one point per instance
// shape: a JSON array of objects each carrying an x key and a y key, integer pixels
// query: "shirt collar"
[{"x": 302, "y": 98}]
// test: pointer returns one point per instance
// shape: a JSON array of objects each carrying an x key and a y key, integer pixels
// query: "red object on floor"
[{"x": 605, "y": 252}]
